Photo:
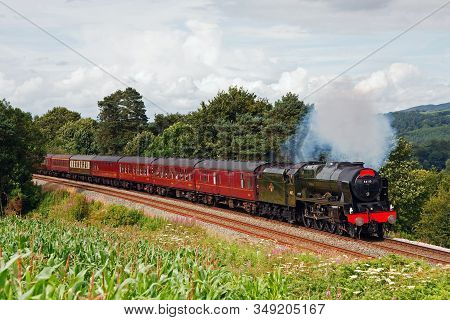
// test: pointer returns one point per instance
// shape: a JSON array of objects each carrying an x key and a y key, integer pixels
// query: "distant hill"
[
  {"x": 429, "y": 108},
  {"x": 427, "y": 127}
]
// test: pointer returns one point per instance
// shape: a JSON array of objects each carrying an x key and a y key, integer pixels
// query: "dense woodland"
[
  {"x": 427, "y": 128},
  {"x": 235, "y": 124}
]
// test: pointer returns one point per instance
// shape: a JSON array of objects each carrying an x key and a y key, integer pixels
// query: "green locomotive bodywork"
[{"x": 277, "y": 186}]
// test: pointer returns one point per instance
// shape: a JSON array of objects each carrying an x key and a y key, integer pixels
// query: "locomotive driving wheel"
[
  {"x": 318, "y": 224},
  {"x": 307, "y": 222},
  {"x": 339, "y": 229},
  {"x": 330, "y": 226},
  {"x": 352, "y": 230},
  {"x": 380, "y": 231}
]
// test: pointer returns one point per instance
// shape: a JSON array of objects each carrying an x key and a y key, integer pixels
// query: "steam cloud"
[{"x": 346, "y": 126}]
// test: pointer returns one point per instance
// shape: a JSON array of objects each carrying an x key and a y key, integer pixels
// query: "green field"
[{"x": 68, "y": 249}]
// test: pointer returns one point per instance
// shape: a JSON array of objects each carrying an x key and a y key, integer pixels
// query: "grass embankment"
[{"x": 70, "y": 248}]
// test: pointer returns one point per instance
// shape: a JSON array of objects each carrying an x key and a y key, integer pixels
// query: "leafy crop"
[
  {"x": 52, "y": 260},
  {"x": 56, "y": 255}
]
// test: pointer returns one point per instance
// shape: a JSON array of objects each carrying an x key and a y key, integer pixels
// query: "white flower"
[{"x": 354, "y": 276}]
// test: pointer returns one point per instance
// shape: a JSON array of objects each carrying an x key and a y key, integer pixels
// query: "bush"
[
  {"x": 116, "y": 216},
  {"x": 434, "y": 225},
  {"x": 78, "y": 207},
  {"x": 153, "y": 223},
  {"x": 48, "y": 201},
  {"x": 24, "y": 199}
]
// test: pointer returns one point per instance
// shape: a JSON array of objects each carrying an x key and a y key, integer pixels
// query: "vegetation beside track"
[{"x": 70, "y": 248}]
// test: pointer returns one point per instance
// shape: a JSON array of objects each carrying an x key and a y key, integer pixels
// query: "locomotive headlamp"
[
  {"x": 392, "y": 219},
  {"x": 351, "y": 210},
  {"x": 359, "y": 221},
  {"x": 391, "y": 207}
]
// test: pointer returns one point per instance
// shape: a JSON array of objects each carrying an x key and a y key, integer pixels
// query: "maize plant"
[{"x": 48, "y": 259}]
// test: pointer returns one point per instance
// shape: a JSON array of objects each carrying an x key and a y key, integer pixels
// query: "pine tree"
[{"x": 121, "y": 117}]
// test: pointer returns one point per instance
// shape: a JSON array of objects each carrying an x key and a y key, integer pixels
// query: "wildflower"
[
  {"x": 339, "y": 295},
  {"x": 354, "y": 276},
  {"x": 411, "y": 287}
]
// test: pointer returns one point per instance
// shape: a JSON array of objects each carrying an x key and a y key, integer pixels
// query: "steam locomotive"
[{"x": 338, "y": 197}]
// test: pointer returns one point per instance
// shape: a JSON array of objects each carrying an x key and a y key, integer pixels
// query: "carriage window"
[
  {"x": 249, "y": 183},
  {"x": 242, "y": 180},
  {"x": 215, "y": 178}
]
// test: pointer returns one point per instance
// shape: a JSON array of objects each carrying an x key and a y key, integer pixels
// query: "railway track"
[
  {"x": 282, "y": 238},
  {"x": 415, "y": 251},
  {"x": 432, "y": 255}
]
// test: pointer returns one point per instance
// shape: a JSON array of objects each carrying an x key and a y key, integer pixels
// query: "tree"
[
  {"x": 140, "y": 144},
  {"x": 406, "y": 192},
  {"x": 133, "y": 110},
  {"x": 21, "y": 149},
  {"x": 281, "y": 124},
  {"x": 50, "y": 122},
  {"x": 163, "y": 121},
  {"x": 78, "y": 137},
  {"x": 176, "y": 141},
  {"x": 434, "y": 225},
  {"x": 227, "y": 123},
  {"x": 121, "y": 117},
  {"x": 433, "y": 153}
]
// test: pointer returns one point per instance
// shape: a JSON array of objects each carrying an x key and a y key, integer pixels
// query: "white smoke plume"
[{"x": 346, "y": 126}]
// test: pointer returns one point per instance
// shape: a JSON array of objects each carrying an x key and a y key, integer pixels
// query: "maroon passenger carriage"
[
  {"x": 58, "y": 164},
  {"x": 105, "y": 170},
  {"x": 229, "y": 182},
  {"x": 175, "y": 176},
  {"x": 135, "y": 172}
]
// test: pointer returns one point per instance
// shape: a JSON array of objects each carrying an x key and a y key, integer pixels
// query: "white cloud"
[
  {"x": 29, "y": 87},
  {"x": 294, "y": 81},
  {"x": 6, "y": 86},
  {"x": 180, "y": 53},
  {"x": 203, "y": 44}
]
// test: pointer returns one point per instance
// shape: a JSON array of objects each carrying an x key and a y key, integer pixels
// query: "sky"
[{"x": 179, "y": 53}]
